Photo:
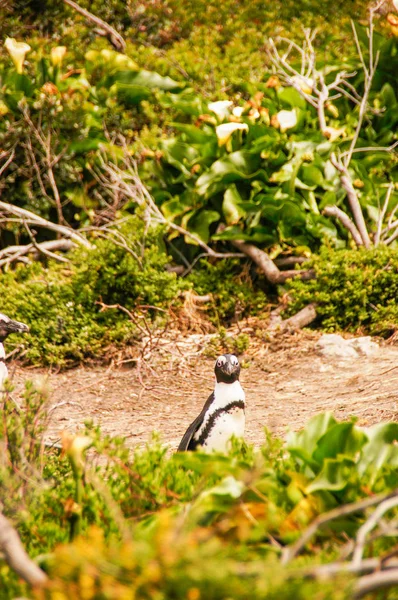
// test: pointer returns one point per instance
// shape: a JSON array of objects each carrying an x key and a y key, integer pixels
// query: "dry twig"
[{"x": 16, "y": 556}]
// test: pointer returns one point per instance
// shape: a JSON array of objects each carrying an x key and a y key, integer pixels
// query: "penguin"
[
  {"x": 7, "y": 326},
  {"x": 223, "y": 415}
]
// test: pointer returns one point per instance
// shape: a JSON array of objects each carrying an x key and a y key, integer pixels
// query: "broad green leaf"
[
  {"x": 200, "y": 223},
  {"x": 335, "y": 475},
  {"x": 311, "y": 175},
  {"x": 147, "y": 79},
  {"x": 130, "y": 93},
  {"x": 291, "y": 97},
  {"x": 236, "y": 166},
  {"x": 194, "y": 135},
  {"x": 341, "y": 438},
  {"x": 231, "y": 206},
  {"x": 381, "y": 449},
  {"x": 304, "y": 442}
]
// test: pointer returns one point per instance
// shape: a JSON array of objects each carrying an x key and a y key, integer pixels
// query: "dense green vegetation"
[
  {"x": 72, "y": 115},
  {"x": 187, "y": 525},
  {"x": 236, "y": 138}
]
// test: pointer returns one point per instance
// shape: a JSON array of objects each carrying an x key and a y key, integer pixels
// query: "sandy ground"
[{"x": 285, "y": 384}]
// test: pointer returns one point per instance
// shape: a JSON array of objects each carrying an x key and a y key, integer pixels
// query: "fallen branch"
[
  {"x": 267, "y": 265},
  {"x": 304, "y": 317},
  {"x": 33, "y": 219},
  {"x": 114, "y": 36},
  {"x": 15, "y": 253},
  {"x": 16, "y": 556}
]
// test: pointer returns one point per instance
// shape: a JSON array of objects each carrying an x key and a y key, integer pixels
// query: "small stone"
[{"x": 332, "y": 345}]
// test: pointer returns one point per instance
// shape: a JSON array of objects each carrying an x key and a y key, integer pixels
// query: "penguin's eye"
[
  {"x": 220, "y": 361},
  {"x": 234, "y": 361}
]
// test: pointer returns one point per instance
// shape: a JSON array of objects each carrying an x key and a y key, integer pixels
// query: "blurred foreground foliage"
[{"x": 189, "y": 525}]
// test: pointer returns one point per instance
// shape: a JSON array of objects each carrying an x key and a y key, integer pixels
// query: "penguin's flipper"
[{"x": 187, "y": 442}]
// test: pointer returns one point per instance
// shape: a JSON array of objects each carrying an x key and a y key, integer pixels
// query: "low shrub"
[
  {"x": 60, "y": 304},
  {"x": 355, "y": 290}
]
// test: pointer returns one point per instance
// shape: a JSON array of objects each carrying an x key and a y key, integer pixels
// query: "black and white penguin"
[
  {"x": 223, "y": 415},
  {"x": 7, "y": 326}
]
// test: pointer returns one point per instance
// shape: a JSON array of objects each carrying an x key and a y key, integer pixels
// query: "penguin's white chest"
[
  {"x": 3, "y": 375},
  {"x": 224, "y": 419},
  {"x": 227, "y": 424}
]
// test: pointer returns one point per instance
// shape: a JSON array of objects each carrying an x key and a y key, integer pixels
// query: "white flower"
[
  {"x": 287, "y": 119},
  {"x": 57, "y": 55},
  {"x": 237, "y": 111},
  {"x": 221, "y": 108},
  {"x": 306, "y": 84},
  {"x": 225, "y": 131},
  {"x": 17, "y": 51}
]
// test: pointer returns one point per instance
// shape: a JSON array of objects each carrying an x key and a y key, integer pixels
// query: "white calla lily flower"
[
  {"x": 221, "y": 108},
  {"x": 17, "y": 51},
  {"x": 306, "y": 84},
  {"x": 57, "y": 55},
  {"x": 237, "y": 111},
  {"x": 225, "y": 131},
  {"x": 287, "y": 119}
]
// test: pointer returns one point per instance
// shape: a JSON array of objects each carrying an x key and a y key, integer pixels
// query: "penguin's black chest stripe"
[{"x": 213, "y": 418}]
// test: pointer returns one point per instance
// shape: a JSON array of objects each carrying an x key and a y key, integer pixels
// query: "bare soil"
[{"x": 286, "y": 382}]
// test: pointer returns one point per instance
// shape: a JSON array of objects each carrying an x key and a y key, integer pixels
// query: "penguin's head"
[
  {"x": 227, "y": 368},
  {"x": 8, "y": 326}
]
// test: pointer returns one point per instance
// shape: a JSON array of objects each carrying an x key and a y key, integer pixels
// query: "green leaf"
[
  {"x": 312, "y": 175},
  {"x": 147, "y": 79},
  {"x": 341, "y": 438},
  {"x": 236, "y": 166},
  {"x": 304, "y": 442},
  {"x": 129, "y": 93},
  {"x": 200, "y": 223},
  {"x": 380, "y": 450},
  {"x": 231, "y": 206},
  {"x": 291, "y": 97},
  {"x": 335, "y": 475}
]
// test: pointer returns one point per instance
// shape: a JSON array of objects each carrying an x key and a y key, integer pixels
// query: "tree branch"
[
  {"x": 115, "y": 38},
  {"x": 353, "y": 201},
  {"x": 33, "y": 219},
  {"x": 335, "y": 211}
]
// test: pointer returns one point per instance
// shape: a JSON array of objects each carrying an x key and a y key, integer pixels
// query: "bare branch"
[
  {"x": 7, "y": 163},
  {"x": 348, "y": 509},
  {"x": 16, "y": 556},
  {"x": 383, "y": 214},
  {"x": 267, "y": 265},
  {"x": 33, "y": 219},
  {"x": 376, "y": 581},
  {"x": 114, "y": 36},
  {"x": 352, "y": 200},
  {"x": 369, "y": 525},
  {"x": 334, "y": 211}
]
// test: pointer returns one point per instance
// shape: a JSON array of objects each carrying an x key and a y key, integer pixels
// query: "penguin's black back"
[{"x": 188, "y": 442}]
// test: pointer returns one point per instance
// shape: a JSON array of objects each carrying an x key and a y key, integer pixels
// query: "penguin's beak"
[{"x": 230, "y": 368}]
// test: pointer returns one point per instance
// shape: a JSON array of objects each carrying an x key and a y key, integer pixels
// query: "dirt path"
[{"x": 284, "y": 387}]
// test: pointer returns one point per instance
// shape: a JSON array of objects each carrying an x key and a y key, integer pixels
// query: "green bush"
[
  {"x": 235, "y": 290},
  {"x": 355, "y": 290},
  {"x": 60, "y": 304}
]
